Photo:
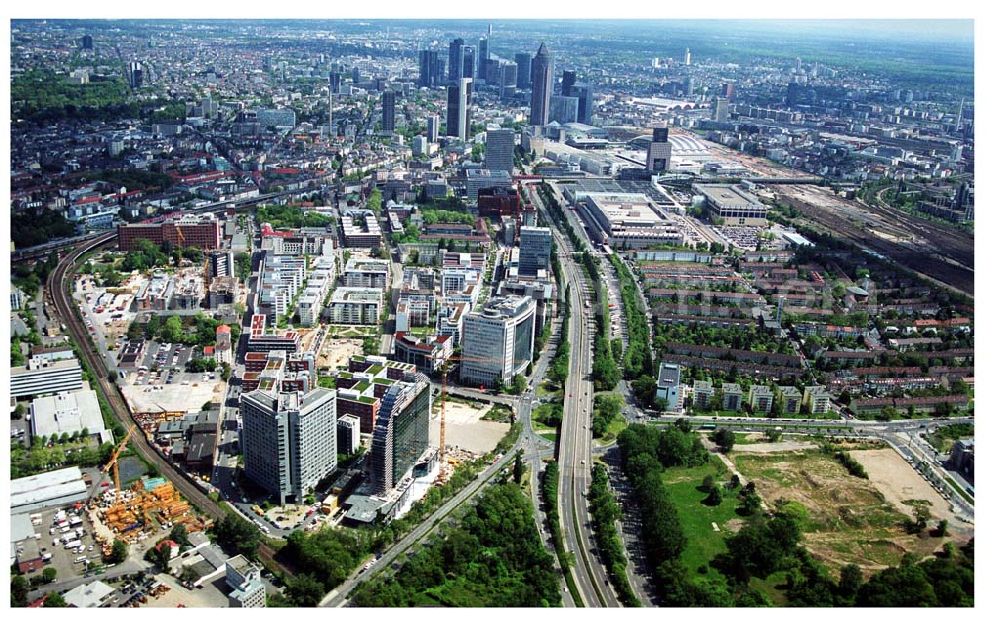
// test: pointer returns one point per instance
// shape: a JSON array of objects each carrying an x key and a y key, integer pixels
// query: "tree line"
[
  {"x": 607, "y": 513},
  {"x": 768, "y": 544},
  {"x": 494, "y": 557}
]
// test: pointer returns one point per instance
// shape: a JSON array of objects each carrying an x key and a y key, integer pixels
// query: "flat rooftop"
[
  {"x": 626, "y": 209},
  {"x": 729, "y": 197}
]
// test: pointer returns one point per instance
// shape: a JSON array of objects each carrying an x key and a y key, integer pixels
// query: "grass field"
[
  {"x": 549, "y": 433},
  {"x": 703, "y": 542},
  {"x": 616, "y": 427}
]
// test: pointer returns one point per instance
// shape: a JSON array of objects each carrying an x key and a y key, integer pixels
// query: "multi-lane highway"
[{"x": 575, "y": 453}]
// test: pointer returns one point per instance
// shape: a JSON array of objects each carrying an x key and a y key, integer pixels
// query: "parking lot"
[
  {"x": 162, "y": 363},
  {"x": 67, "y": 534}
]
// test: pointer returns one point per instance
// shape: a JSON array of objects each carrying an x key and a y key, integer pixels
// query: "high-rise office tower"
[
  {"x": 523, "y": 61},
  {"x": 335, "y": 81},
  {"x": 134, "y": 77},
  {"x": 402, "y": 432},
  {"x": 428, "y": 68},
  {"x": 289, "y": 439},
  {"x": 720, "y": 109},
  {"x": 728, "y": 90},
  {"x": 658, "y": 153},
  {"x": 455, "y": 58},
  {"x": 469, "y": 62},
  {"x": 500, "y": 150},
  {"x": 500, "y": 338},
  {"x": 564, "y": 109},
  {"x": 687, "y": 56},
  {"x": 356, "y": 75},
  {"x": 433, "y": 122},
  {"x": 87, "y": 42},
  {"x": 541, "y": 87},
  {"x": 388, "y": 111},
  {"x": 419, "y": 146},
  {"x": 507, "y": 74},
  {"x": 568, "y": 83},
  {"x": 585, "y": 111},
  {"x": 484, "y": 56},
  {"x": 459, "y": 123},
  {"x": 536, "y": 247}
]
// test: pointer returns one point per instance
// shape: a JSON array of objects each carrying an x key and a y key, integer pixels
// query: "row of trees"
[
  {"x": 607, "y": 409},
  {"x": 606, "y": 513},
  {"x": 39, "y": 458},
  {"x": 605, "y": 368},
  {"x": 244, "y": 265},
  {"x": 637, "y": 358},
  {"x": 550, "y": 505}
]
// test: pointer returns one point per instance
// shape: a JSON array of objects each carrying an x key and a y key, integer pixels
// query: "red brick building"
[
  {"x": 202, "y": 232},
  {"x": 499, "y": 200}
]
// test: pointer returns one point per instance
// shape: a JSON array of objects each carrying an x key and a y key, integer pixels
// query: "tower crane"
[{"x": 113, "y": 462}]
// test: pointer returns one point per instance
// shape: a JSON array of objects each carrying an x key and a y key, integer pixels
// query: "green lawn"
[
  {"x": 549, "y": 433},
  {"x": 546, "y": 388},
  {"x": 616, "y": 427},
  {"x": 703, "y": 542}
]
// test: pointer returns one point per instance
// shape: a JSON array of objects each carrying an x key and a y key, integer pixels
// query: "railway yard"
[{"x": 943, "y": 253}]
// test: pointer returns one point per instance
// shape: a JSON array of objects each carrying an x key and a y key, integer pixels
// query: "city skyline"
[{"x": 506, "y": 313}]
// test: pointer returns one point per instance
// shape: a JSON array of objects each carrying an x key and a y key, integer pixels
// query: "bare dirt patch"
[
  {"x": 899, "y": 483},
  {"x": 774, "y": 447},
  {"x": 465, "y": 427},
  {"x": 336, "y": 351},
  {"x": 844, "y": 519}
]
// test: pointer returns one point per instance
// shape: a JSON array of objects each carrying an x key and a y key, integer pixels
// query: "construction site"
[{"x": 139, "y": 512}]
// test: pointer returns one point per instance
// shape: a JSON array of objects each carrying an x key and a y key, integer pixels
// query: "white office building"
[
  {"x": 498, "y": 341},
  {"x": 367, "y": 273},
  {"x": 355, "y": 306},
  {"x": 244, "y": 577},
  {"x": 67, "y": 412},
  {"x": 289, "y": 439}
]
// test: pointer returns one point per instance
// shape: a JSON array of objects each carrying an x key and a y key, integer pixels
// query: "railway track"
[
  {"x": 917, "y": 260},
  {"x": 59, "y": 294}
]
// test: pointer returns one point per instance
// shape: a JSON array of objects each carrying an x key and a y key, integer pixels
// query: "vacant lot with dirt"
[
  {"x": 336, "y": 351},
  {"x": 844, "y": 519},
  {"x": 900, "y": 484},
  {"x": 466, "y": 427}
]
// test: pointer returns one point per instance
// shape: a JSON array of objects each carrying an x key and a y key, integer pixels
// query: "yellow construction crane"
[{"x": 113, "y": 462}]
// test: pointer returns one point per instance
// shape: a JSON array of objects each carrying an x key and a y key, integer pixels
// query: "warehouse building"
[{"x": 50, "y": 489}]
